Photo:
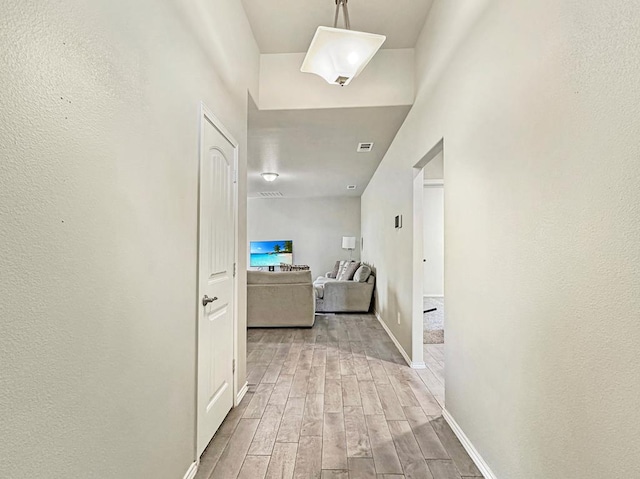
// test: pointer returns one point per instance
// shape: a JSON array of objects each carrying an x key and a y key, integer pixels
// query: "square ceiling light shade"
[{"x": 339, "y": 55}]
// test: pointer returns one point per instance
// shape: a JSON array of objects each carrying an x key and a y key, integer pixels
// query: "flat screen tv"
[{"x": 270, "y": 253}]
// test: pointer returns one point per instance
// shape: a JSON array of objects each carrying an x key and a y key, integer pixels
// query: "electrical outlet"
[{"x": 398, "y": 317}]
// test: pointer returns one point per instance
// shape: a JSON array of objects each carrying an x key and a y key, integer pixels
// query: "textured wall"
[
  {"x": 98, "y": 227},
  {"x": 316, "y": 226},
  {"x": 539, "y": 107}
]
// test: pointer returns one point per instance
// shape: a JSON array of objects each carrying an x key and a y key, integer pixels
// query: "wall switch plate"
[{"x": 398, "y": 317}]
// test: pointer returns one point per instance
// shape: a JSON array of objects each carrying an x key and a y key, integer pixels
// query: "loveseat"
[
  {"x": 336, "y": 293},
  {"x": 280, "y": 299}
]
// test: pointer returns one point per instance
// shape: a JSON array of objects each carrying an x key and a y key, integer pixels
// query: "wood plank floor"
[
  {"x": 336, "y": 401},
  {"x": 433, "y": 377}
]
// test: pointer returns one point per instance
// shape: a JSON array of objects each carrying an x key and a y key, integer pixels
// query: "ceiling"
[
  {"x": 287, "y": 26},
  {"x": 314, "y": 151}
]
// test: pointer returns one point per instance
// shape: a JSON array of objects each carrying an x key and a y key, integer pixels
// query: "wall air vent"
[
  {"x": 365, "y": 147},
  {"x": 351, "y": 187},
  {"x": 271, "y": 194}
]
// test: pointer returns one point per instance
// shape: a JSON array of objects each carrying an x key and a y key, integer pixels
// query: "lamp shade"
[
  {"x": 348, "y": 242},
  {"x": 339, "y": 55}
]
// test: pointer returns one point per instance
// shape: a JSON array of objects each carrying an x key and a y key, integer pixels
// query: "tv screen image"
[{"x": 270, "y": 253}]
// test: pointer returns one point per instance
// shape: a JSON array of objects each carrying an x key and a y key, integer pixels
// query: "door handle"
[{"x": 206, "y": 300}]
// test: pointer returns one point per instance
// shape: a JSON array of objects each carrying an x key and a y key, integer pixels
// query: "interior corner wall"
[
  {"x": 99, "y": 147},
  {"x": 539, "y": 107},
  {"x": 315, "y": 225}
]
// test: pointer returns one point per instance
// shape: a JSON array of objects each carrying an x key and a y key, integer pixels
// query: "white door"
[
  {"x": 433, "y": 240},
  {"x": 215, "y": 279}
]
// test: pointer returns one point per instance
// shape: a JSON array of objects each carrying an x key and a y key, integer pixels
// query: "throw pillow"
[
  {"x": 341, "y": 268},
  {"x": 349, "y": 270},
  {"x": 363, "y": 273},
  {"x": 336, "y": 269}
]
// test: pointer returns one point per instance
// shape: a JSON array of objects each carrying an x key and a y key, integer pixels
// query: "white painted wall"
[
  {"x": 538, "y": 104},
  {"x": 98, "y": 227},
  {"x": 433, "y": 240},
  {"x": 434, "y": 169},
  {"x": 387, "y": 80},
  {"x": 315, "y": 225}
]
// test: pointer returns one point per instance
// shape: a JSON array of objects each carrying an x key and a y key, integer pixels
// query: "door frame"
[{"x": 205, "y": 114}]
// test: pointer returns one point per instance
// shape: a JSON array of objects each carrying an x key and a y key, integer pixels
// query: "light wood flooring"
[
  {"x": 433, "y": 376},
  {"x": 335, "y": 401}
]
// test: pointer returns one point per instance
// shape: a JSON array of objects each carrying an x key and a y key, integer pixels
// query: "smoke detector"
[
  {"x": 271, "y": 194},
  {"x": 351, "y": 187},
  {"x": 365, "y": 147}
]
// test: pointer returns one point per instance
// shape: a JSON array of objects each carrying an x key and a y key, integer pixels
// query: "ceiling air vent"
[
  {"x": 365, "y": 147},
  {"x": 351, "y": 187},
  {"x": 271, "y": 194}
]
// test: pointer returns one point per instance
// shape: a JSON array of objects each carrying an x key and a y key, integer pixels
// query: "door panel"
[
  {"x": 216, "y": 282},
  {"x": 433, "y": 240}
]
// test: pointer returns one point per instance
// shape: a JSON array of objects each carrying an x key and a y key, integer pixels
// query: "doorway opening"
[{"x": 429, "y": 268}]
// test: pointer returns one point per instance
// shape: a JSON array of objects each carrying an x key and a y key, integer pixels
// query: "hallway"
[{"x": 334, "y": 401}]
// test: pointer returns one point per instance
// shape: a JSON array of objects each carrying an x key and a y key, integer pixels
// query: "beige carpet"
[{"x": 434, "y": 321}]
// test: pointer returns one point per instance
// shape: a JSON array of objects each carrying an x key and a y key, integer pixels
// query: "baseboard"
[
  {"x": 412, "y": 364},
  {"x": 433, "y": 295},
  {"x": 468, "y": 446},
  {"x": 242, "y": 392},
  {"x": 191, "y": 472}
]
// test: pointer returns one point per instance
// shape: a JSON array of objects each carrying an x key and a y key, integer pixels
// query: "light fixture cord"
[{"x": 345, "y": 14}]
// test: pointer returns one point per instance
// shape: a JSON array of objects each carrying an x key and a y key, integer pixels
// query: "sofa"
[
  {"x": 336, "y": 293},
  {"x": 280, "y": 299}
]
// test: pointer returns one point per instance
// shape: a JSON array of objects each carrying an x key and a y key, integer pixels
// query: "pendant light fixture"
[{"x": 339, "y": 55}]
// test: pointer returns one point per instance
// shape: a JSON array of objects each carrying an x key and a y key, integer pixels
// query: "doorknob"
[{"x": 206, "y": 300}]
